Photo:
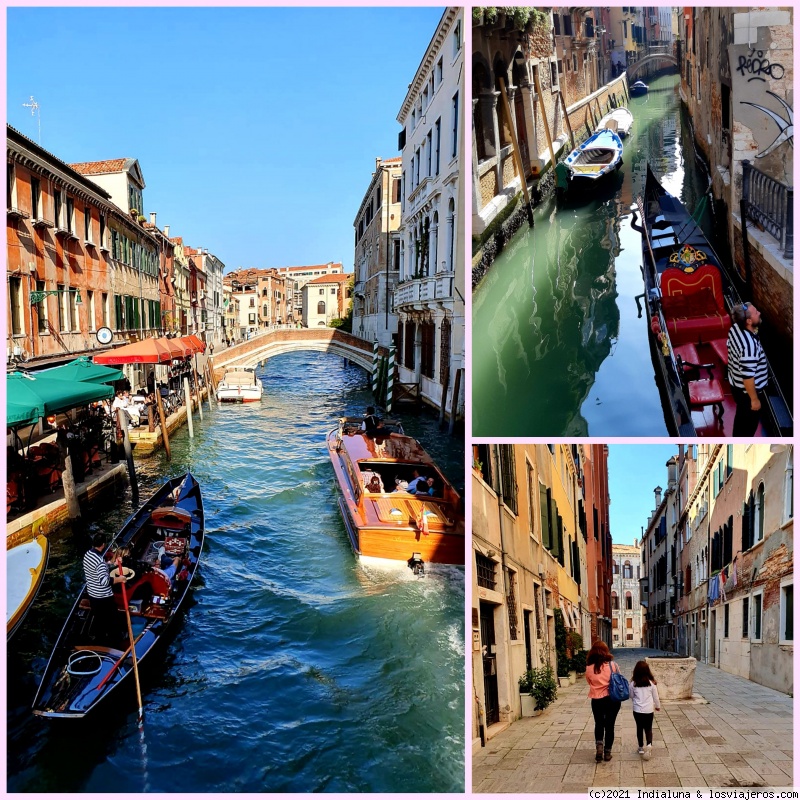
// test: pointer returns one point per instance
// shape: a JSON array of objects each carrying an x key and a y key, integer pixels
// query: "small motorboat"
[
  {"x": 620, "y": 120},
  {"x": 598, "y": 156},
  {"x": 240, "y": 385},
  {"x": 82, "y": 672},
  {"x": 25, "y": 567},
  {"x": 383, "y": 519},
  {"x": 689, "y": 299},
  {"x": 640, "y": 87}
]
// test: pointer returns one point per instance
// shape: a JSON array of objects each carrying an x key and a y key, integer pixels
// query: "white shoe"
[
  {"x": 641, "y": 751},
  {"x": 648, "y": 752}
]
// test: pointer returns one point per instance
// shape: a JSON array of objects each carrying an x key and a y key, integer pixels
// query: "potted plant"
[
  {"x": 539, "y": 685},
  {"x": 562, "y": 662},
  {"x": 579, "y": 661}
]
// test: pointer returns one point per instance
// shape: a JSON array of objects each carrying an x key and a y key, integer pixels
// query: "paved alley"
[{"x": 741, "y": 737}]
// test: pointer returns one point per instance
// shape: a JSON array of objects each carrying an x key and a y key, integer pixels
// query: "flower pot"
[
  {"x": 572, "y": 676},
  {"x": 528, "y": 705},
  {"x": 563, "y": 680}
]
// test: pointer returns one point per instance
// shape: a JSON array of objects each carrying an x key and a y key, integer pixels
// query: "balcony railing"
[
  {"x": 770, "y": 204},
  {"x": 424, "y": 290}
]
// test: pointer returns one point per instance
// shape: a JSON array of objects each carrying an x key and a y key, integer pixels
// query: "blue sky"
[
  {"x": 256, "y": 129},
  {"x": 634, "y": 470}
]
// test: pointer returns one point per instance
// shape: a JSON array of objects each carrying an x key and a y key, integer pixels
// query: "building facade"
[
  {"x": 377, "y": 255},
  {"x": 299, "y": 277},
  {"x": 737, "y": 82},
  {"x": 76, "y": 261},
  {"x": 429, "y": 299},
  {"x": 529, "y": 538},
  {"x": 325, "y": 299},
  {"x": 626, "y": 610}
]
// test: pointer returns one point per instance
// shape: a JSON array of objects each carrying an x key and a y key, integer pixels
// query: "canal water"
[
  {"x": 294, "y": 668},
  {"x": 557, "y": 345}
]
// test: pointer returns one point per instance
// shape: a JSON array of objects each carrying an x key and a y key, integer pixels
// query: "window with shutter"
[{"x": 544, "y": 505}]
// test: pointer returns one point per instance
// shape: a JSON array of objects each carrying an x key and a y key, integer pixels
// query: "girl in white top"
[{"x": 644, "y": 695}]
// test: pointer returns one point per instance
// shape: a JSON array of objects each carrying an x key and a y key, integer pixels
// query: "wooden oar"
[
  {"x": 130, "y": 638},
  {"x": 116, "y": 664}
]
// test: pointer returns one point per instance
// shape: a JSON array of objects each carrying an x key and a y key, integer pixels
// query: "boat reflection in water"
[{"x": 383, "y": 519}]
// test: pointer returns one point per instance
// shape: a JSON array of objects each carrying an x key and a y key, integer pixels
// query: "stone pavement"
[{"x": 742, "y": 737}]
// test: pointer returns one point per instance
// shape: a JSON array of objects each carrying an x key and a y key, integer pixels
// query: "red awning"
[
  {"x": 195, "y": 342},
  {"x": 148, "y": 351},
  {"x": 177, "y": 347}
]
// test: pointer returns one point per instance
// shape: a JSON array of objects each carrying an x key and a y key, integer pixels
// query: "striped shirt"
[
  {"x": 746, "y": 358},
  {"x": 98, "y": 582}
]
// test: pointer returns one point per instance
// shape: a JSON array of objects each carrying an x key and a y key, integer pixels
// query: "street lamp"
[{"x": 38, "y": 296}]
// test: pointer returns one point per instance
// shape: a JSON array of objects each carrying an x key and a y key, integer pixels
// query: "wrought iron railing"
[{"x": 770, "y": 204}]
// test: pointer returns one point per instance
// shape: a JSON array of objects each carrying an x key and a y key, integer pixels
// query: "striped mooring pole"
[
  {"x": 375, "y": 369},
  {"x": 390, "y": 380}
]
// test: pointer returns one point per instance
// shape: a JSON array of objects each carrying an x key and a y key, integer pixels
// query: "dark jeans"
[
  {"x": 109, "y": 624},
  {"x": 644, "y": 725},
  {"x": 746, "y": 420},
  {"x": 604, "y": 711}
]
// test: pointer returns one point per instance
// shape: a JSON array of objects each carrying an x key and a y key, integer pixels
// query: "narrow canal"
[
  {"x": 295, "y": 668},
  {"x": 557, "y": 346}
]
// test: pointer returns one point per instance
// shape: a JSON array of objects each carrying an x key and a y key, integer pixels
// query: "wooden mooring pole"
[
  {"x": 188, "y": 398},
  {"x": 163, "y": 422},
  {"x": 122, "y": 421},
  {"x": 515, "y": 149}
]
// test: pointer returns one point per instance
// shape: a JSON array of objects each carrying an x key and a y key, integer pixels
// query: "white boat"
[
  {"x": 598, "y": 156},
  {"x": 25, "y": 568},
  {"x": 240, "y": 385},
  {"x": 640, "y": 87},
  {"x": 620, "y": 120}
]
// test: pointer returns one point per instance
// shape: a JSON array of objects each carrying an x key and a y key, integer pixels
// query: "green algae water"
[
  {"x": 294, "y": 668},
  {"x": 558, "y": 348}
]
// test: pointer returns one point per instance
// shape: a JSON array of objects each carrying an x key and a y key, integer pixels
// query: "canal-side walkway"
[{"x": 741, "y": 737}]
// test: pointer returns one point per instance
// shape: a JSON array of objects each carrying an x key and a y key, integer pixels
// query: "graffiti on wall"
[
  {"x": 754, "y": 65},
  {"x": 785, "y": 126}
]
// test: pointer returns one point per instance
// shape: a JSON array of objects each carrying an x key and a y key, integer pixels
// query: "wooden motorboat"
[
  {"x": 689, "y": 298},
  {"x": 620, "y": 120},
  {"x": 240, "y": 385},
  {"x": 640, "y": 87},
  {"x": 25, "y": 567},
  {"x": 383, "y": 520},
  {"x": 83, "y": 672},
  {"x": 598, "y": 156}
]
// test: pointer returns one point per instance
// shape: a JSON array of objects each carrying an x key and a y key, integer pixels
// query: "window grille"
[{"x": 486, "y": 569}]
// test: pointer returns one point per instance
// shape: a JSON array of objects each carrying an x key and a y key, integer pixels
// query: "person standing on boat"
[
  {"x": 747, "y": 368},
  {"x": 370, "y": 423},
  {"x": 108, "y": 623}
]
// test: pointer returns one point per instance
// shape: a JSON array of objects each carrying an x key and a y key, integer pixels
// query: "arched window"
[
  {"x": 614, "y": 601},
  {"x": 616, "y": 567},
  {"x": 451, "y": 233},
  {"x": 321, "y": 307},
  {"x": 758, "y": 525},
  {"x": 687, "y": 587},
  {"x": 627, "y": 570},
  {"x": 433, "y": 246},
  {"x": 629, "y": 601}
]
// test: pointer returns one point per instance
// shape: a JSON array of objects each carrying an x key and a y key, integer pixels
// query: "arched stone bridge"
[
  {"x": 291, "y": 340},
  {"x": 652, "y": 62}
]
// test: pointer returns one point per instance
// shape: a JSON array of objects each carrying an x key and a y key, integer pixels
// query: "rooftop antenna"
[{"x": 34, "y": 107}]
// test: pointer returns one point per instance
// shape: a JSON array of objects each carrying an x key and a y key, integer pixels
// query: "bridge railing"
[{"x": 770, "y": 204}]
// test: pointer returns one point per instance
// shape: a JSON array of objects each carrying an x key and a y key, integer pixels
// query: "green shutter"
[{"x": 544, "y": 505}]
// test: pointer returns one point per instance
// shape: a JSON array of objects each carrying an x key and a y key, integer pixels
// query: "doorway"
[{"x": 490, "y": 694}]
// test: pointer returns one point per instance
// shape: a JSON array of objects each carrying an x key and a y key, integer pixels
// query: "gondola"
[
  {"x": 598, "y": 156},
  {"x": 689, "y": 298},
  {"x": 83, "y": 671},
  {"x": 383, "y": 520}
]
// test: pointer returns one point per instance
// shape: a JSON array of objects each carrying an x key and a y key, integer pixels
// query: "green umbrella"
[
  {"x": 49, "y": 395},
  {"x": 17, "y": 414},
  {"x": 83, "y": 369}
]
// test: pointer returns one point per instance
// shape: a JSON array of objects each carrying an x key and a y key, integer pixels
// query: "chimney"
[
  {"x": 657, "y": 491},
  {"x": 152, "y": 217},
  {"x": 635, "y": 542},
  {"x": 166, "y": 231}
]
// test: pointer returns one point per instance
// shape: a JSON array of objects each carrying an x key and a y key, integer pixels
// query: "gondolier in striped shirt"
[
  {"x": 108, "y": 623},
  {"x": 747, "y": 368}
]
